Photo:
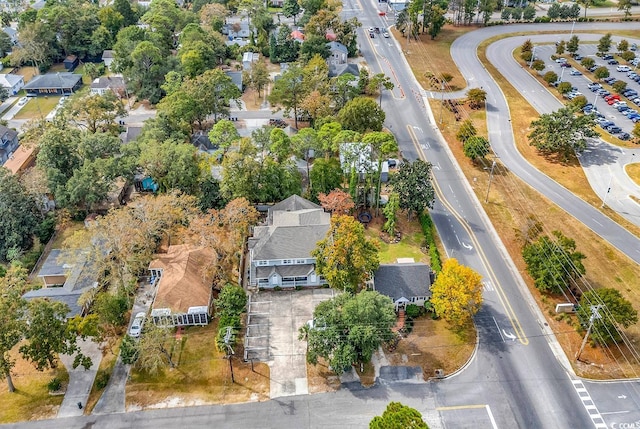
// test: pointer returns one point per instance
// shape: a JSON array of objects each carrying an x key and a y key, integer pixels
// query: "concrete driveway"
[{"x": 272, "y": 336}]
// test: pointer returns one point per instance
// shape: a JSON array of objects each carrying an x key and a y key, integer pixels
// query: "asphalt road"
[
  {"x": 501, "y": 135},
  {"x": 603, "y": 162}
]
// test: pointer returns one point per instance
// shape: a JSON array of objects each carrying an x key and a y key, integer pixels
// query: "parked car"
[
  {"x": 630, "y": 93},
  {"x": 604, "y": 122},
  {"x": 624, "y": 136},
  {"x": 633, "y": 47},
  {"x": 372, "y": 35},
  {"x": 577, "y": 57},
  {"x": 612, "y": 97},
  {"x": 136, "y": 326},
  {"x": 561, "y": 60},
  {"x": 607, "y": 57},
  {"x": 575, "y": 72},
  {"x": 622, "y": 68},
  {"x": 567, "y": 65},
  {"x": 23, "y": 101},
  {"x": 610, "y": 80},
  {"x": 612, "y": 62},
  {"x": 593, "y": 68},
  {"x": 636, "y": 100},
  {"x": 385, "y": 35},
  {"x": 613, "y": 129},
  {"x": 603, "y": 93},
  {"x": 618, "y": 103},
  {"x": 622, "y": 108},
  {"x": 594, "y": 86}
]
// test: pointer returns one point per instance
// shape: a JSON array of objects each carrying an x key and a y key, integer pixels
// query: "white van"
[{"x": 623, "y": 68}]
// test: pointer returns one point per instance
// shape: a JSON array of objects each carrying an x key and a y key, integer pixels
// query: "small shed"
[
  {"x": 70, "y": 63},
  {"x": 248, "y": 58}
]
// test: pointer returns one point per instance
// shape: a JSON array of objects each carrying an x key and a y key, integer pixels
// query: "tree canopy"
[
  {"x": 413, "y": 185},
  {"x": 349, "y": 328},
  {"x": 456, "y": 293},
  {"x": 346, "y": 257},
  {"x": 562, "y": 133},
  {"x": 553, "y": 263},
  {"x": 361, "y": 114},
  {"x": 398, "y": 416},
  {"x": 614, "y": 313}
]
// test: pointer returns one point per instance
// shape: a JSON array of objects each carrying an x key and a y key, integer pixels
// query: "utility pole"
[
  {"x": 227, "y": 341},
  {"x": 594, "y": 316},
  {"x": 493, "y": 165},
  {"x": 533, "y": 56},
  {"x": 441, "y": 100}
]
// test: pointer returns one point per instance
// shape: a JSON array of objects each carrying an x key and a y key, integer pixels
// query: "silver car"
[{"x": 136, "y": 327}]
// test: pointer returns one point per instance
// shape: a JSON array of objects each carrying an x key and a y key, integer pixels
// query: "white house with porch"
[{"x": 280, "y": 250}]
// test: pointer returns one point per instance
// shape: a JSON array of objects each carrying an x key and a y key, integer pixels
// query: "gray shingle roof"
[
  {"x": 337, "y": 46},
  {"x": 294, "y": 202},
  {"x": 107, "y": 53},
  {"x": 54, "y": 81},
  {"x": 340, "y": 69},
  {"x": 108, "y": 82},
  {"x": 289, "y": 242},
  {"x": 7, "y": 134},
  {"x": 403, "y": 280}
]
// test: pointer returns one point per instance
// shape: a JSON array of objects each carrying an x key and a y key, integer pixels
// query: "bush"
[
  {"x": 102, "y": 378},
  {"x": 277, "y": 288},
  {"x": 429, "y": 234},
  {"x": 231, "y": 301},
  {"x": 230, "y": 320},
  {"x": 54, "y": 384},
  {"x": 412, "y": 311},
  {"x": 44, "y": 231}
]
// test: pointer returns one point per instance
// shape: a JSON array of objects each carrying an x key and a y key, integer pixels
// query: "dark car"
[
  {"x": 607, "y": 57},
  {"x": 372, "y": 35},
  {"x": 610, "y": 80},
  {"x": 577, "y": 57},
  {"x": 565, "y": 65},
  {"x": 624, "y": 136},
  {"x": 613, "y": 129},
  {"x": 622, "y": 108}
]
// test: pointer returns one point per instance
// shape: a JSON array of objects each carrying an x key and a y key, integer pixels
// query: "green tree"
[
  {"x": 343, "y": 90},
  {"x": 538, "y": 65},
  {"x": 413, "y": 185},
  {"x": 95, "y": 112},
  {"x": 93, "y": 70},
  {"x": 12, "y": 320},
  {"x": 231, "y": 301},
  {"x": 325, "y": 176},
  {"x": 349, "y": 328},
  {"x": 625, "y": 5},
  {"x": 291, "y": 9},
  {"x": 619, "y": 86},
  {"x": 346, "y": 257},
  {"x": 5, "y": 44},
  {"x": 573, "y": 45},
  {"x": 172, "y": 165},
  {"x": 564, "y": 87},
  {"x": 604, "y": 44},
  {"x": 623, "y": 45},
  {"x": 390, "y": 211},
  {"x": 601, "y": 73},
  {"x": 476, "y": 147},
  {"x": 47, "y": 335},
  {"x": 279, "y": 145},
  {"x": 561, "y": 133},
  {"x": 553, "y": 263},
  {"x": 456, "y": 293},
  {"x": 155, "y": 349},
  {"x": 129, "y": 351},
  {"x": 19, "y": 215},
  {"x": 130, "y": 17},
  {"x": 476, "y": 97},
  {"x": 377, "y": 83},
  {"x": 259, "y": 77},
  {"x": 628, "y": 56},
  {"x": 361, "y": 114},
  {"x": 398, "y": 416},
  {"x": 289, "y": 91},
  {"x": 529, "y": 13},
  {"x": 224, "y": 135},
  {"x": 561, "y": 47},
  {"x": 615, "y": 312},
  {"x": 550, "y": 77},
  {"x": 554, "y": 11},
  {"x": 636, "y": 131},
  {"x": 587, "y": 62}
]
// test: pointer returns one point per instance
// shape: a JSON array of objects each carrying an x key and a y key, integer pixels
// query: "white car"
[
  {"x": 561, "y": 60},
  {"x": 575, "y": 73},
  {"x": 619, "y": 103},
  {"x": 386, "y": 35},
  {"x": 23, "y": 101},
  {"x": 622, "y": 68},
  {"x": 136, "y": 326}
]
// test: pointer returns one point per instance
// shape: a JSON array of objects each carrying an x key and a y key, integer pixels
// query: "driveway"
[
  {"x": 272, "y": 336},
  {"x": 80, "y": 380}
]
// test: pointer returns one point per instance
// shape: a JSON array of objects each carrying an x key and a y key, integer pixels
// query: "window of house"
[
  {"x": 301, "y": 279},
  {"x": 300, "y": 261},
  {"x": 288, "y": 279},
  {"x": 263, "y": 281},
  {"x": 287, "y": 261},
  {"x": 262, "y": 263}
]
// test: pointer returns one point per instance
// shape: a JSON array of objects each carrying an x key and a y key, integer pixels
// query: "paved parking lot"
[{"x": 272, "y": 336}]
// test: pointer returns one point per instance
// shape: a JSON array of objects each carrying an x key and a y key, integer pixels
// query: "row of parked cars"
[{"x": 614, "y": 101}]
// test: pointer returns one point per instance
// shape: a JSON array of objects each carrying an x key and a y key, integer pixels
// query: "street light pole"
[
  {"x": 533, "y": 55},
  {"x": 441, "y": 100},
  {"x": 493, "y": 165}
]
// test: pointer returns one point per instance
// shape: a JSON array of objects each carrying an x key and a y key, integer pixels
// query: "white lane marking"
[
  {"x": 498, "y": 327},
  {"x": 587, "y": 402}
]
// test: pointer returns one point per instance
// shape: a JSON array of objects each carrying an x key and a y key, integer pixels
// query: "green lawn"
[
  {"x": 38, "y": 107},
  {"x": 408, "y": 247}
]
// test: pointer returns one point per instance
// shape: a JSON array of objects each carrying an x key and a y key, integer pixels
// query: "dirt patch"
[
  {"x": 251, "y": 99},
  {"x": 321, "y": 379},
  {"x": 633, "y": 171}
]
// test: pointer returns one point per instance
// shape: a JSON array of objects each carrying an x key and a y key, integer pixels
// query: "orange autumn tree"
[
  {"x": 456, "y": 293},
  {"x": 337, "y": 202},
  {"x": 346, "y": 257}
]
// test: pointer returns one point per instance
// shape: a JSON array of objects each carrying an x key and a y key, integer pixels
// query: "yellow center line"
[{"x": 515, "y": 323}]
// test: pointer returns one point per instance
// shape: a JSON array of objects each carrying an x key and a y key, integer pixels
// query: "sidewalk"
[
  {"x": 80, "y": 380},
  {"x": 7, "y": 103}
]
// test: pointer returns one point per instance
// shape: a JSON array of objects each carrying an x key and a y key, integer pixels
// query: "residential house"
[
  {"x": 184, "y": 294},
  {"x": 237, "y": 28},
  {"x": 21, "y": 159},
  {"x": 336, "y": 70},
  {"x": 280, "y": 250},
  {"x": 298, "y": 36},
  {"x": 12, "y": 82},
  {"x": 71, "y": 62},
  {"x": 12, "y": 33},
  {"x": 359, "y": 155},
  {"x": 110, "y": 83},
  {"x": 338, "y": 53},
  {"x": 8, "y": 143},
  {"x": 236, "y": 78},
  {"x": 54, "y": 84},
  {"x": 248, "y": 58},
  {"x": 107, "y": 58},
  {"x": 66, "y": 275},
  {"x": 406, "y": 282}
]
